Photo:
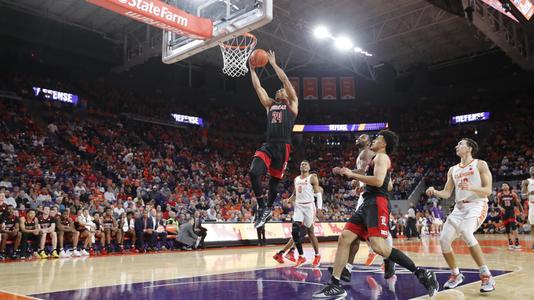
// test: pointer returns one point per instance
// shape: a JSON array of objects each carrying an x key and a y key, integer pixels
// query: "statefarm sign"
[{"x": 161, "y": 15}]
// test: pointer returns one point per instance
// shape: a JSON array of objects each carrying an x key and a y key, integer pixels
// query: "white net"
[{"x": 235, "y": 54}]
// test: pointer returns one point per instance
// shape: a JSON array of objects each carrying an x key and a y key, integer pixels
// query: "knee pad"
[
  {"x": 295, "y": 232},
  {"x": 469, "y": 238}
]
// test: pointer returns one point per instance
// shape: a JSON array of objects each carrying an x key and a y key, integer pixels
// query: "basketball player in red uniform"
[
  {"x": 48, "y": 227},
  {"x": 507, "y": 201},
  {"x": 273, "y": 155},
  {"x": 371, "y": 220},
  {"x": 31, "y": 231},
  {"x": 10, "y": 231}
]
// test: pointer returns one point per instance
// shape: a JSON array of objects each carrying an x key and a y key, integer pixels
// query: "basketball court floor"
[{"x": 251, "y": 273}]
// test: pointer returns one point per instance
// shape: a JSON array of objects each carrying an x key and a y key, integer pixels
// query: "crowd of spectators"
[{"x": 93, "y": 159}]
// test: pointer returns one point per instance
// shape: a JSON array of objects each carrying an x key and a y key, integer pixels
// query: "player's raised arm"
[
  {"x": 447, "y": 190},
  {"x": 288, "y": 87},
  {"x": 262, "y": 94}
]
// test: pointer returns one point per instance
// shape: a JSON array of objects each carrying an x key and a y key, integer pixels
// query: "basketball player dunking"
[
  {"x": 307, "y": 191},
  {"x": 527, "y": 189},
  {"x": 507, "y": 201},
  {"x": 362, "y": 163},
  {"x": 471, "y": 182},
  {"x": 273, "y": 155},
  {"x": 371, "y": 220}
]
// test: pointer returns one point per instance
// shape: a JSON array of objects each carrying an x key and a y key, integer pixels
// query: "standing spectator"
[
  {"x": 411, "y": 228},
  {"x": 199, "y": 230}
]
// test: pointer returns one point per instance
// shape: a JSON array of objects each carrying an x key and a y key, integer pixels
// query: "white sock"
[
  {"x": 455, "y": 271},
  {"x": 484, "y": 270},
  {"x": 348, "y": 266}
]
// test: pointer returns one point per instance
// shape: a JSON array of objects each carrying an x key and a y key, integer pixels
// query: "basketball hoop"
[{"x": 235, "y": 54}]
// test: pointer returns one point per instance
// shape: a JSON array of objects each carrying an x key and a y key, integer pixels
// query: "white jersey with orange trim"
[
  {"x": 530, "y": 189},
  {"x": 467, "y": 173},
  {"x": 304, "y": 192}
]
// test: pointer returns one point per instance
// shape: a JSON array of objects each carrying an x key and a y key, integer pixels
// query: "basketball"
[{"x": 259, "y": 58}]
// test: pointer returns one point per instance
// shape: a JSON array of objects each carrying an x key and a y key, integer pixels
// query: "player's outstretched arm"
[
  {"x": 379, "y": 175},
  {"x": 447, "y": 190},
  {"x": 262, "y": 94},
  {"x": 292, "y": 95}
]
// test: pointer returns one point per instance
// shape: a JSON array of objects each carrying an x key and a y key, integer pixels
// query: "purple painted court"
[{"x": 268, "y": 284}]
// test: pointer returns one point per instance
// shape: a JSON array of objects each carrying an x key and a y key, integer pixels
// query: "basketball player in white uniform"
[
  {"x": 472, "y": 183},
  {"x": 527, "y": 189},
  {"x": 307, "y": 191}
]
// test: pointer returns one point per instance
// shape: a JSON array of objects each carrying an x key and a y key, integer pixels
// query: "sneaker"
[
  {"x": 264, "y": 215},
  {"x": 428, "y": 279},
  {"x": 346, "y": 274},
  {"x": 376, "y": 289},
  {"x": 510, "y": 247},
  {"x": 64, "y": 254},
  {"x": 76, "y": 253},
  {"x": 391, "y": 281},
  {"x": 15, "y": 255},
  {"x": 42, "y": 254},
  {"x": 454, "y": 281},
  {"x": 517, "y": 247},
  {"x": 54, "y": 254},
  {"x": 279, "y": 258},
  {"x": 488, "y": 283},
  {"x": 370, "y": 258},
  {"x": 291, "y": 256},
  {"x": 84, "y": 253},
  {"x": 300, "y": 261},
  {"x": 91, "y": 252},
  {"x": 103, "y": 251},
  {"x": 2, "y": 257},
  {"x": 316, "y": 261},
  {"x": 332, "y": 290}
]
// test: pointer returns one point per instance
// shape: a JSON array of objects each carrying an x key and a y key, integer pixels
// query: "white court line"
[
  {"x": 519, "y": 268},
  {"x": 232, "y": 280}
]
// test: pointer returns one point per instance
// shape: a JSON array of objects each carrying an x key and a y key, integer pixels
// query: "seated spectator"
[
  {"x": 144, "y": 230},
  {"x": 127, "y": 224}
]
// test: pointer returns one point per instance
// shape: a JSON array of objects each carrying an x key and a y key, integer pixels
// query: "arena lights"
[
  {"x": 321, "y": 32},
  {"x": 343, "y": 43}
]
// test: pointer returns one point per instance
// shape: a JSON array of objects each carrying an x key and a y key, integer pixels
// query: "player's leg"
[
  {"x": 447, "y": 236},
  {"x": 296, "y": 235},
  {"x": 376, "y": 219},
  {"x": 41, "y": 251},
  {"x": 3, "y": 241},
  {"x": 53, "y": 240},
  {"x": 516, "y": 235},
  {"x": 279, "y": 256},
  {"x": 467, "y": 228},
  {"x": 531, "y": 221},
  {"x": 257, "y": 170},
  {"x": 508, "y": 230}
]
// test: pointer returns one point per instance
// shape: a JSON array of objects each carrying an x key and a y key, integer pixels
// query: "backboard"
[{"x": 230, "y": 18}]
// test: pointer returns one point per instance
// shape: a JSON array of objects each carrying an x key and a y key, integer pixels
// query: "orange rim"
[{"x": 249, "y": 35}]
